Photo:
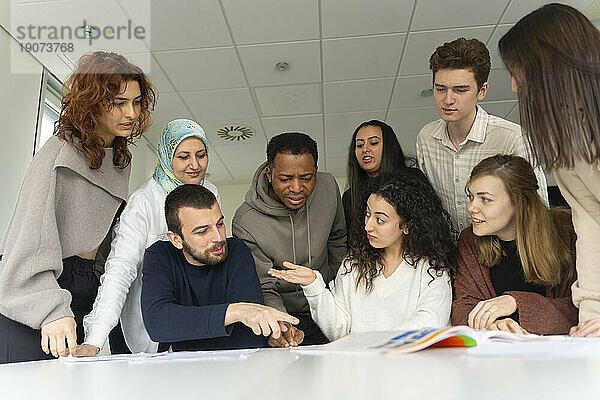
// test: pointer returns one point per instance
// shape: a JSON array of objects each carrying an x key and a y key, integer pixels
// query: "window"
[{"x": 49, "y": 108}]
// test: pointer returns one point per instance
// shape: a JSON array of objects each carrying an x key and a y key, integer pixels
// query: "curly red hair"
[{"x": 88, "y": 93}]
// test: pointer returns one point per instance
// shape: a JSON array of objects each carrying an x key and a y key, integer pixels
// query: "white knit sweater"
[{"x": 407, "y": 299}]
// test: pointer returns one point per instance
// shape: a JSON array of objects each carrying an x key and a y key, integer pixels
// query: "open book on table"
[{"x": 384, "y": 342}]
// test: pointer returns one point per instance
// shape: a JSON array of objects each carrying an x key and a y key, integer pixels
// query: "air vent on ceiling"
[{"x": 235, "y": 133}]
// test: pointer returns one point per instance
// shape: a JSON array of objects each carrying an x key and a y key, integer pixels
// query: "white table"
[{"x": 272, "y": 373}]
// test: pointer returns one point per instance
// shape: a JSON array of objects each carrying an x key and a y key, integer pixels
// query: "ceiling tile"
[
  {"x": 407, "y": 92},
  {"x": 363, "y": 95},
  {"x": 411, "y": 120},
  {"x": 337, "y": 147},
  {"x": 434, "y": 14},
  {"x": 519, "y": 8},
  {"x": 312, "y": 125},
  {"x": 234, "y": 153},
  {"x": 421, "y": 45},
  {"x": 500, "y": 88},
  {"x": 168, "y": 107},
  {"x": 513, "y": 115},
  {"x": 289, "y": 100},
  {"x": 343, "y": 125},
  {"x": 203, "y": 69},
  {"x": 5, "y": 14},
  {"x": 498, "y": 108},
  {"x": 337, "y": 166},
  {"x": 153, "y": 133},
  {"x": 267, "y": 21},
  {"x": 303, "y": 59},
  {"x": 216, "y": 171},
  {"x": 493, "y": 45},
  {"x": 359, "y": 17},
  {"x": 114, "y": 32},
  {"x": 363, "y": 57},
  {"x": 244, "y": 172},
  {"x": 184, "y": 24},
  {"x": 211, "y": 127},
  {"x": 221, "y": 104},
  {"x": 408, "y": 143},
  {"x": 151, "y": 67}
]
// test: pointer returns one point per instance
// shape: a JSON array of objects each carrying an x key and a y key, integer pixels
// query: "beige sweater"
[
  {"x": 64, "y": 208},
  {"x": 580, "y": 186}
]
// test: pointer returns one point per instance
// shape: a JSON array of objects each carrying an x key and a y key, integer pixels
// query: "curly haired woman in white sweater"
[{"x": 396, "y": 277}]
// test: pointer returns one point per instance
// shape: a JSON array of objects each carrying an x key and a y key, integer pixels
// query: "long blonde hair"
[{"x": 545, "y": 259}]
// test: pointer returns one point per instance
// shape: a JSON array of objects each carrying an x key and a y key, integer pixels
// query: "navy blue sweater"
[{"x": 184, "y": 305}]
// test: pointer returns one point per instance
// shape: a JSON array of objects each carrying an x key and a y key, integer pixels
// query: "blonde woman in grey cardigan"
[{"x": 68, "y": 201}]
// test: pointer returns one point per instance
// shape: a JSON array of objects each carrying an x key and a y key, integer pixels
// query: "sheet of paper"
[
  {"x": 199, "y": 356},
  {"x": 554, "y": 347},
  {"x": 165, "y": 356},
  {"x": 364, "y": 343}
]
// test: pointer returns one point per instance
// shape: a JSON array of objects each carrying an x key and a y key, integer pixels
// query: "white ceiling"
[{"x": 350, "y": 61}]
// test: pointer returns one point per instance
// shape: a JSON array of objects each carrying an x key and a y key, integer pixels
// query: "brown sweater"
[{"x": 545, "y": 315}]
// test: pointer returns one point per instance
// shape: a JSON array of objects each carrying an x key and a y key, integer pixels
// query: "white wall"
[
  {"x": 18, "y": 113},
  {"x": 232, "y": 196}
]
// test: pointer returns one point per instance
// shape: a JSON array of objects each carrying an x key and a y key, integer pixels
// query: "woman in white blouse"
[
  {"x": 182, "y": 159},
  {"x": 398, "y": 276}
]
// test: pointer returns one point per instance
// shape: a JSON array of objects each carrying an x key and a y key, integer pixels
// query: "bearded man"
[{"x": 200, "y": 290}]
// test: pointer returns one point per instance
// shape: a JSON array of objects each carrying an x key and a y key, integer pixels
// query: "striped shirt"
[{"x": 448, "y": 169}]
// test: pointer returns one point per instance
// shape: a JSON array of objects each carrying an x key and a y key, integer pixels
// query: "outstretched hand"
[
  {"x": 263, "y": 320},
  {"x": 295, "y": 274}
]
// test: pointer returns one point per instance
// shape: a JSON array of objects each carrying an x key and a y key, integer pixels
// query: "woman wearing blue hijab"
[{"x": 182, "y": 159}]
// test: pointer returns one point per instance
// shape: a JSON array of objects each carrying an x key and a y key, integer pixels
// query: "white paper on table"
[
  {"x": 164, "y": 356},
  {"x": 556, "y": 347},
  {"x": 199, "y": 356},
  {"x": 363, "y": 343}
]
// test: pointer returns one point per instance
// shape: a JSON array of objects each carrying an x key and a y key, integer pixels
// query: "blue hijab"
[{"x": 174, "y": 133}]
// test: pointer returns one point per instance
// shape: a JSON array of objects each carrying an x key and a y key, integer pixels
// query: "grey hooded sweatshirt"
[{"x": 313, "y": 235}]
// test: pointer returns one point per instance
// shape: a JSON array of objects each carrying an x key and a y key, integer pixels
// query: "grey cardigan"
[{"x": 64, "y": 208}]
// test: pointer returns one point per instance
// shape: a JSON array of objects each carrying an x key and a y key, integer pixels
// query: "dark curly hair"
[
  {"x": 295, "y": 143},
  {"x": 415, "y": 201},
  {"x": 461, "y": 53},
  {"x": 90, "y": 92}
]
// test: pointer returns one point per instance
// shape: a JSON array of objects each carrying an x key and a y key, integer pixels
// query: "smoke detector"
[{"x": 235, "y": 133}]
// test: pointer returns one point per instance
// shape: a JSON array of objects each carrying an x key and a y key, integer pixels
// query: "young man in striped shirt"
[{"x": 449, "y": 148}]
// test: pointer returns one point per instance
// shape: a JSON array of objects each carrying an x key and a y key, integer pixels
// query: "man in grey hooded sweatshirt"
[{"x": 292, "y": 213}]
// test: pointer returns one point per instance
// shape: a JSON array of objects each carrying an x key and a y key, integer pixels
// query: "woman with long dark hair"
[
  {"x": 553, "y": 55},
  {"x": 516, "y": 261},
  {"x": 68, "y": 202},
  {"x": 373, "y": 150},
  {"x": 397, "y": 275}
]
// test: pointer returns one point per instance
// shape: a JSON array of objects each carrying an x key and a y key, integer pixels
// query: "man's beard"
[{"x": 205, "y": 257}]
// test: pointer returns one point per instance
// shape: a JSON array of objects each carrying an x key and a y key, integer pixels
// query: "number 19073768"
[{"x": 47, "y": 47}]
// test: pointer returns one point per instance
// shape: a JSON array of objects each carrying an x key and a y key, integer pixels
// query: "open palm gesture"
[{"x": 294, "y": 274}]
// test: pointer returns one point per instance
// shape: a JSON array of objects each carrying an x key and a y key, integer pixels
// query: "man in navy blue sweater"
[{"x": 200, "y": 290}]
